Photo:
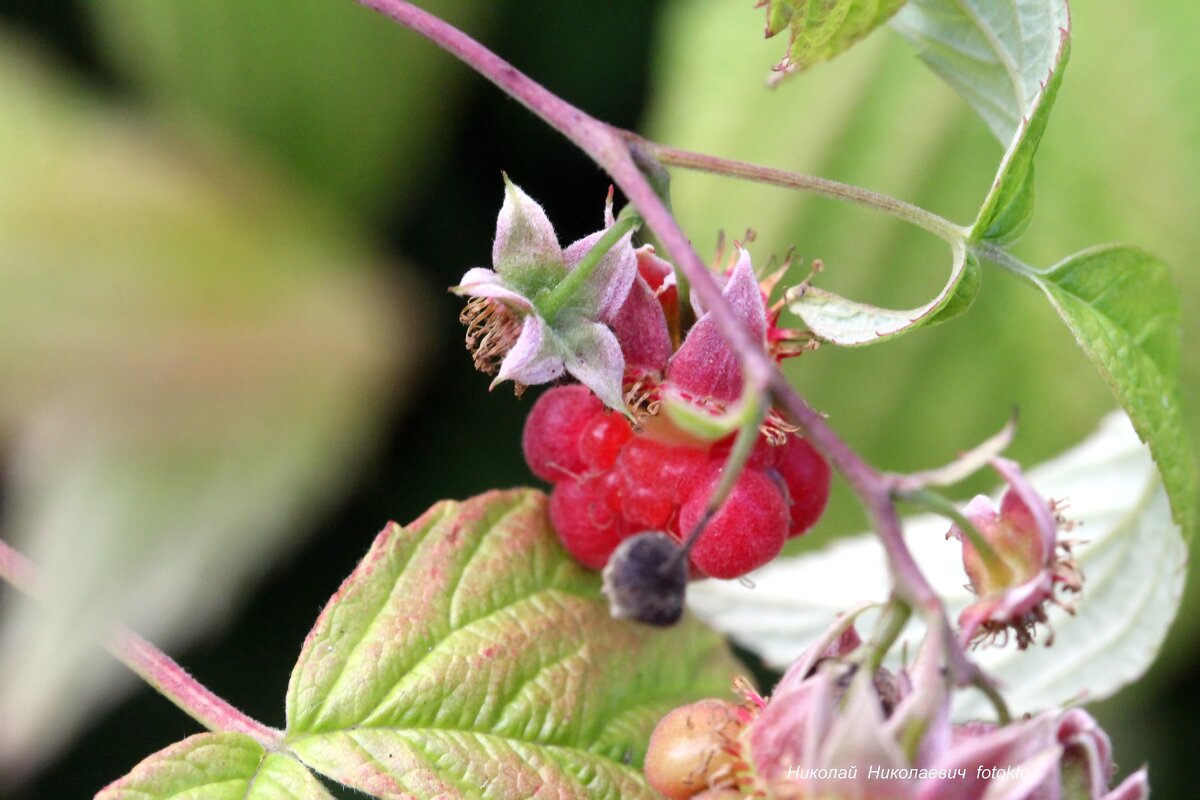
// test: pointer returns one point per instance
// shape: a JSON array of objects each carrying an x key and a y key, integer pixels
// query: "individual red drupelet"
[
  {"x": 582, "y": 514},
  {"x": 806, "y": 475},
  {"x": 551, "y": 439},
  {"x": 655, "y": 478},
  {"x": 747, "y": 531},
  {"x": 602, "y": 438}
]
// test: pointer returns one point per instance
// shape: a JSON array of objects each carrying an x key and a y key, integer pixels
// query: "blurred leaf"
[
  {"x": 217, "y": 766},
  {"x": 818, "y": 30},
  {"x": 191, "y": 363},
  {"x": 1132, "y": 556},
  {"x": 847, "y": 323},
  {"x": 337, "y": 94},
  {"x": 998, "y": 54},
  {"x": 468, "y": 650},
  {"x": 1123, "y": 308}
]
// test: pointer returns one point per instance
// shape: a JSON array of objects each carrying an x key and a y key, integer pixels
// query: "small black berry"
[{"x": 646, "y": 579}]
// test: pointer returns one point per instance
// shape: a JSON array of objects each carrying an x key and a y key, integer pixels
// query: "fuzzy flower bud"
[{"x": 1022, "y": 566}]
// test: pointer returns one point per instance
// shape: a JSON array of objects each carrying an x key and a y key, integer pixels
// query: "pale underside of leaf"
[
  {"x": 850, "y": 324},
  {"x": 996, "y": 53},
  {"x": 217, "y": 766},
  {"x": 1132, "y": 555},
  {"x": 1122, "y": 307},
  {"x": 467, "y": 656}
]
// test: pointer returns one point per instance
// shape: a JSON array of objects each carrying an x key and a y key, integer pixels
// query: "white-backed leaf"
[
  {"x": 1006, "y": 58},
  {"x": 1133, "y": 559},
  {"x": 850, "y": 324}
]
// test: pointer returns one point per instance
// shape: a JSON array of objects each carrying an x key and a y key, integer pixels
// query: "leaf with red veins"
[{"x": 705, "y": 366}]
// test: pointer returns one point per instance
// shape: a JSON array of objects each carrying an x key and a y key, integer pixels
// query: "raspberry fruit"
[
  {"x": 582, "y": 514},
  {"x": 655, "y": 478},
  {"x": 693, "y": 748},
  {"x": 551, "y": 439},
  {"x": 806, "y": 475},
  {"x": 746, "y": 532},
  {"x": 602, "y": 438}
]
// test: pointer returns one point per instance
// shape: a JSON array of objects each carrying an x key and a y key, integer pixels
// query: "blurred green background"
[{"x": 227, "y": 356}]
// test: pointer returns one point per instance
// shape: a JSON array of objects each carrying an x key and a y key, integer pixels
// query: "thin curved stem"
[
  {"x": 702, "y": 162},
  {"x": 611, "y": 149},
  {"x": 152, "y": 665}
]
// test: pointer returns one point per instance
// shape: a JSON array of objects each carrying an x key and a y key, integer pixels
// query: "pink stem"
[
  {"x": 611, "y": 149},
  {"x": 152, "y": 665}
]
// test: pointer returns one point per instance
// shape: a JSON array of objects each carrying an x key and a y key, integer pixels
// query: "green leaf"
[
  {"x": 818, "y": 30},
  {"x": 1008, "y": 208},
  {"x": 997, "y": 54},
  {"x": 217, "y": 766},
  {"x": 344, "y": 99},
  {"x": 1123, "y": 309},
  {"x": 851, "y": 324},
  {"x": 469, "y": 654},
  {"x": 1007, "y": 59},
  {"x": 1132, "y": 556}
]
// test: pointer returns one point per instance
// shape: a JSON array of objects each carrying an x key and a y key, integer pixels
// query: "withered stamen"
[{"x": 492, "y": 330}]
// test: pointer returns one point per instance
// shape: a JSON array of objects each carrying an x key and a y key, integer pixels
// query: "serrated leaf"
[
  {"x": 1006, "y": 59},
  {"x": 997, "y": 54},
  {"x": 338, "y": 95},
  {"x": 850, "y": 324},
  {"x": 217, "y": 766},
  {"x": 468, "y": 655},
  {"x": 818, "y": 30},
  {"x": 1132, "y": 556},
  {"x": 1123, "y": 309}
]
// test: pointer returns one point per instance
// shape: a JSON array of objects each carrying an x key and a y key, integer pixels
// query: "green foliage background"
[{"x": 408, "y": 165}]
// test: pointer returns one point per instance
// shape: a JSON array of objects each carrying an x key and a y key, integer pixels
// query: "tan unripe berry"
[{"x": 693, "y": 749}]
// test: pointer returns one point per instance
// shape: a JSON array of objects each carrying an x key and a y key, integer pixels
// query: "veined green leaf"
[
  {"x": 1007, "y": 60},
  {"x": 850, "y": 324},
  {"x": 998, "y": 54},
  {"x": 469, "y": 656},
  {"x": 818, "y": 30},
  {"x": 1123, "y": 309},
  {"x": 217, "y": 766},
  {"x": 1132, "y": 557}
]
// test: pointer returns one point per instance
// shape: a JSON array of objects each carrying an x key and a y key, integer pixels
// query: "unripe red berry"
[
  {"x": 694, "y": 748},
  {"x": 551, "y": 439},
  {"x": 746, "y": 532},
  {"x": 806, "y": 475},
  {"x": 582, "y": 515},
  {"x": 602, "y": 438}
]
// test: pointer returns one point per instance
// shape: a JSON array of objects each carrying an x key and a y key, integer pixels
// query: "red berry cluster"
[{"x": 611, "y": 482}]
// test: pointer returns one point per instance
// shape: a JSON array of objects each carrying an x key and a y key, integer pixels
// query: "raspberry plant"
[{"x": 479, "y": 652}]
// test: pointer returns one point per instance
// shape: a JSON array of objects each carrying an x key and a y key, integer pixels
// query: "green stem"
[
  {"x": 151, "y": 664},
  {"x": 887, "y": 631},
  {"x": 568, "y": 288},
  {"x": 933, "y": 501},
  {"x": 1004, "y": 259},
  {"x": 702, "y": 162}
]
